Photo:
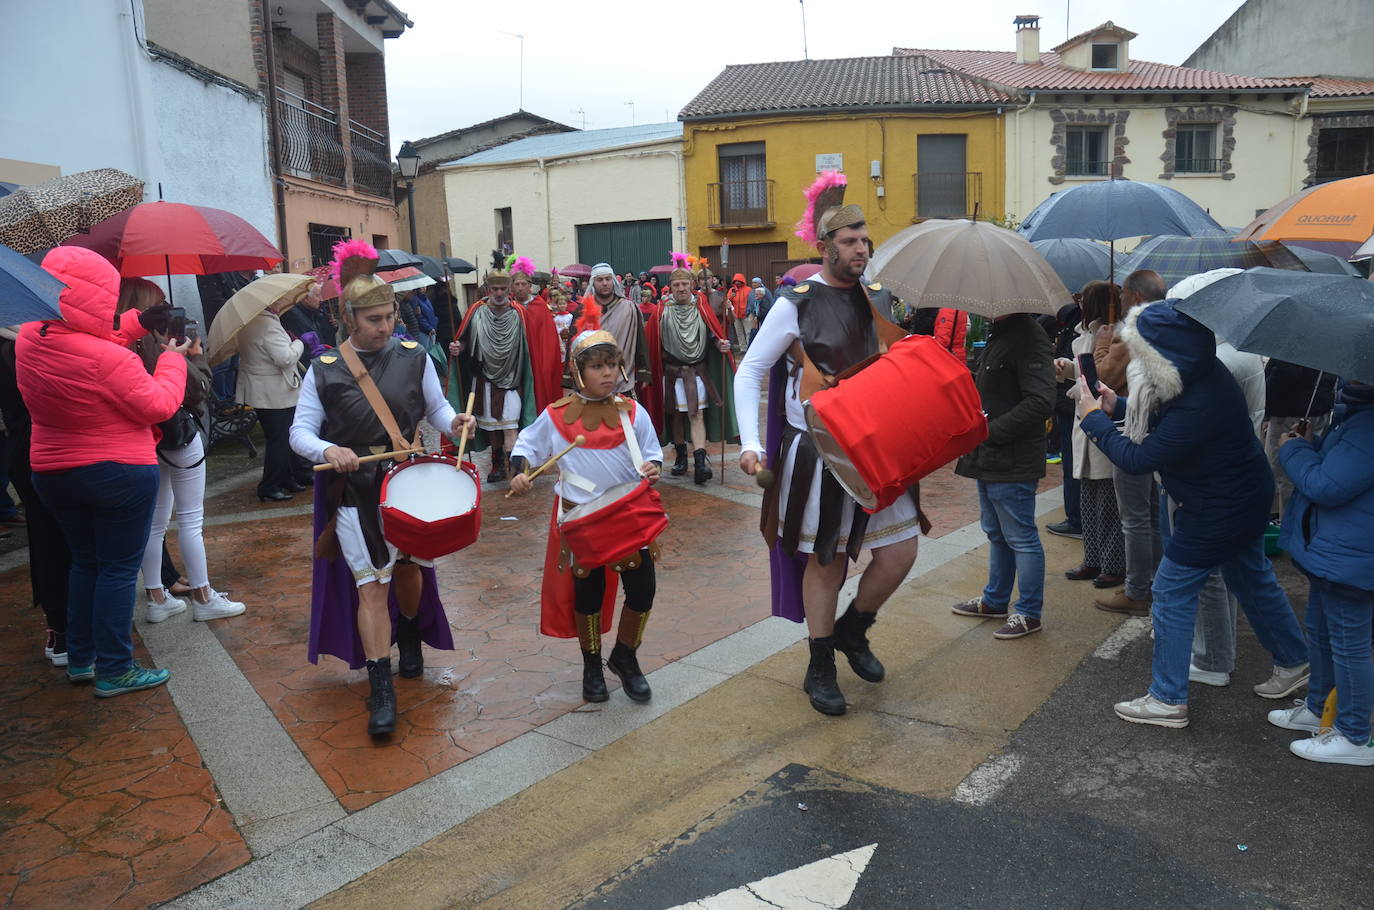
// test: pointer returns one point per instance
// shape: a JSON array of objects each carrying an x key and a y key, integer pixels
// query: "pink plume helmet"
[
  {"x": 352, "y": 257},
  {"x": 524, "y": 264},
  {"x": 680, "y": 260},
  {"x": 826, "y": 180}
]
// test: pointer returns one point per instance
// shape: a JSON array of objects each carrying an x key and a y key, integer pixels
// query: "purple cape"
[
  {"x": 786, "y": 571},
  {"x": 334, "y": 603}
]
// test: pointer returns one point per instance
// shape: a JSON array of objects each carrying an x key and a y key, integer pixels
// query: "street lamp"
[{"x": 408, "y": 160}]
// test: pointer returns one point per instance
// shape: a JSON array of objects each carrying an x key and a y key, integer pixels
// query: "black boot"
[
  {"x": 593, "y": 679},
  {"x": 381, "y": 704},
  {"x": 680, "y": 466},
  {"x": 703, "y": 468},
  {"x": 498, "y": 466},
  {"x": 625, "y": 664},
  {"x": 820, "y": 683},
  {"x": 412, "y": 662},
  {"x": 851, "y": 639}
]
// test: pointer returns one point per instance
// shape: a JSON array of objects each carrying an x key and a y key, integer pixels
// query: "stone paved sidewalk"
[{"x": 112, "y": 798}]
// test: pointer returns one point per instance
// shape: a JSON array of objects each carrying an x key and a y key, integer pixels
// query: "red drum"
[
  {"x": 911, "y": 411},
  {"x": 431, "y": 507},
  {"x": 613, "y": 526}
]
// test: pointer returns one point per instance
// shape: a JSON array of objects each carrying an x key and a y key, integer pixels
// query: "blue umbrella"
[
  {"x": 1076, "y": 261},
  {"x": 1175, "y": 258},
  {"x": 27, "y": 292},
  {"x": 1113, "y": 209},
  {"x": 7, "y": 188}
]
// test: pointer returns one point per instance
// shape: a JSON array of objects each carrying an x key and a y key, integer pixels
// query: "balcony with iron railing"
[
  {"x": 740, "y": 204},
  {"x": 1197, "y": 165},
  {"x": 371, "y": 164},
  {"x": 941, "y": 194},
  {"x": 1077, "y": 167}
]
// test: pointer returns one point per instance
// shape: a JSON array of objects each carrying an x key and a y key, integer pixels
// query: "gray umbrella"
[
  {"x": 1075, "y": 260},
  {"x": 396, "y": 259},
  {"x": 1325, "y": 322},
  {"x": 1320, "y": 261}
]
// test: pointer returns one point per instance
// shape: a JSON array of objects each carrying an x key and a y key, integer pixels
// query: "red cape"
[{"x": 541, "y": 335}]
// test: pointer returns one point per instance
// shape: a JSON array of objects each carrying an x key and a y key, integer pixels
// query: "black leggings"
[{"x": 639, "y": 583}]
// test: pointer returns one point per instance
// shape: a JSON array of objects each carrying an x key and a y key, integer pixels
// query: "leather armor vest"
[{"x": 349, "y": 420}]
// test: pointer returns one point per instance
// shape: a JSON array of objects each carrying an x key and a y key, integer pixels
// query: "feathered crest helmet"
[
  {"x": 825, "y": 211},
  {"x": 520, "y": 265},
  {"x": 498, "y": 278},
  {"x": 588, "y": 338},
  {"x": 352, "y": 269},
  {"x": 682, "y": 267}
]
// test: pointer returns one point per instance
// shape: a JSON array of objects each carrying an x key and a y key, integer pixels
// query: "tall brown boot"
[
  {"x": 589, "y": 639},
  {"x": 623, "y": 661}
]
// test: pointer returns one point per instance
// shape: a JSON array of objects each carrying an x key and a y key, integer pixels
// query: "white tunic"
[
  {"x": 895, "y": 523},
  {"x": 605, "y": 468}
]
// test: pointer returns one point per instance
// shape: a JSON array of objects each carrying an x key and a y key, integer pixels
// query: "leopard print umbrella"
[{"x": 40, "y": 216}]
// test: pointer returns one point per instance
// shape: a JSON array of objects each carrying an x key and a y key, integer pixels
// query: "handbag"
[{"x": 178, "y": 431}]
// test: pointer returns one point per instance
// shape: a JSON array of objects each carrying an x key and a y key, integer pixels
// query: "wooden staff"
[
  {"x": 463, "y": 437},
  {"x": 380, "y": 456},
  {"x": 552, "y": 461}
]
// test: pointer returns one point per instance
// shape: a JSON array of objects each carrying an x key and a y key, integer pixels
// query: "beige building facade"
[{"x": 570, "y": 197}]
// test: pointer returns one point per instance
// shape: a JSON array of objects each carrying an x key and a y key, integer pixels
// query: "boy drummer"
[{"x": 620, "y": 446}]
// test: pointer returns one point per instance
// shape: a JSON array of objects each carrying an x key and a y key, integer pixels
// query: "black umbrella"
[
  {"x": 396, "y": 259},
  {"x": 460, "y": 266},
  {"x": 1325, "y": 322}
]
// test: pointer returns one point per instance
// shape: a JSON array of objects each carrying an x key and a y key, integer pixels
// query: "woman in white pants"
[{"x": 182, "y": 486}]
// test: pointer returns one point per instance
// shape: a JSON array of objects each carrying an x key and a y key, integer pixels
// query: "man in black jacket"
[{"x": 1015, "y": 377}]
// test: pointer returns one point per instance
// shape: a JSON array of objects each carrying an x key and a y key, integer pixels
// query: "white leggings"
[{"x": 185, "y": 487}]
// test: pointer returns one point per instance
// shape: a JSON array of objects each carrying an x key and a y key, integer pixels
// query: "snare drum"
[
  {"x": 431, "y": 508},
  {"x": 613, "y": 526},
  {"x": 911, "y": 411}
]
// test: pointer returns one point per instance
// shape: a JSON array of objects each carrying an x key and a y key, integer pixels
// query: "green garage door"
[{"x": 629, "y": 246}]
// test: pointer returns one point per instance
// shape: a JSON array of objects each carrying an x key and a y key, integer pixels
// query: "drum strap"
[
  {"x": 813, "y": 380},
  {"x": 632, "y": 442},
  {"x": 374, "y": 398}
]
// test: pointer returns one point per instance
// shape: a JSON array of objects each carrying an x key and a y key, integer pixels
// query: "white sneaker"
[
  {"x": 1149, "y": 710},
  {"x": 1296, "y": 718},
  {"x": 1333, "y": 748},
  {"x": 218, "y": 607},
  {"x": 1284, "y": 682},
  {"x": 1208, "y": 677},
  {"x": 170, "y": 606}
]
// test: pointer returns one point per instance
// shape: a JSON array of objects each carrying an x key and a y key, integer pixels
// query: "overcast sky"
[{"x": 585, "y": 61}]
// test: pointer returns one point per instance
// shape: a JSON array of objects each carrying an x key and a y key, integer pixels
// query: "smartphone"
[
  {"x": 1087, "y": 368},
  {"x": 191, "y": 331},
  {"x": 1301, "y": 428},
  {"x": 176, "y": 322}
]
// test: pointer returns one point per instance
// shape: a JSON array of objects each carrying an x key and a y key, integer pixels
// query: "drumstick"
[
  {"x": 380, "y": 456},
  {"x": 463, "y": 437},
  {"x": 550, "y": 463}
]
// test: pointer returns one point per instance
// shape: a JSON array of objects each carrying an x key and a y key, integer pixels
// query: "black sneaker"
[{"x": 1064, "y": 529}]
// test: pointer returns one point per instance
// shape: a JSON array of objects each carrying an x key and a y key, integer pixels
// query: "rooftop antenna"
[
  {"x": 522, "y": 66},
  {"x": 632, "y": 112},
  {"x": 806, "y": 53},
  {"x": 1068, "y": 32}
]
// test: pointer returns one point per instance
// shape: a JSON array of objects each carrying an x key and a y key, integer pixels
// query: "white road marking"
[
  {"x": 826, "y": 884},
  {"x": 1127, "y": 632},
  {"x": 988, "y": 779}
]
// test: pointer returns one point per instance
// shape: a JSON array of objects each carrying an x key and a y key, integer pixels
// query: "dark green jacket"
[{"x": 1015, "y": 377}]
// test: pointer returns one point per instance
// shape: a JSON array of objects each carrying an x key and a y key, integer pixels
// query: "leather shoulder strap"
[{"x": 373, "y": 396}]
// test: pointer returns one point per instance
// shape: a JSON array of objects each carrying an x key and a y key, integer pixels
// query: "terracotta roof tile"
[
  {"x": 1331, "y": 87},
  {"x": 1108, "y": 26},
  {"x": 1001, "y": 68},
  {"x": 907, "y": 81}
]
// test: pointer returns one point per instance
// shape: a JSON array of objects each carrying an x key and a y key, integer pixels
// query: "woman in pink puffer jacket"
[{"x": 94, "y": 410}]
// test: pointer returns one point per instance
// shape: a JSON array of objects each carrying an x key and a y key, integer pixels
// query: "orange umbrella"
[{"x": 1342, "y": 210}]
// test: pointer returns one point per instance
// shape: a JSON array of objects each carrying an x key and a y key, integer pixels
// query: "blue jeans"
[
  {"x": 1338, "y": 628},
  {"x": 1250, "y": 577},
  {"x": 106, "y": 511},
  {"x": 1007, "y": 513}
]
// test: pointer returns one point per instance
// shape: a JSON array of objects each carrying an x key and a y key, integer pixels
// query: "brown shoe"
[
  {"x": 1082, "y": 573},
  {"x": 1118, "y": 602}
]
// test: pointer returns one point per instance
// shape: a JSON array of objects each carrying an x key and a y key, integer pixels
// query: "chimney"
[{"x": 1027, "y": 38}]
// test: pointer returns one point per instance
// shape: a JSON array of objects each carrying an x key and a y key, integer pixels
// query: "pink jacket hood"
[{"x": 92, "y": 294}]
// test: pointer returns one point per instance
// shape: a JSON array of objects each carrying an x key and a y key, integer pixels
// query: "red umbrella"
[
  {"x": 171, "y": 238},
  {"x": 577, "y": 270},
  {"x": 802, "y": 272},
  {"x": 662, "y": 270}
]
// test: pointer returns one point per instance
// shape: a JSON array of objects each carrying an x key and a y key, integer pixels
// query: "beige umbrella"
[
  {"x": 968, "y": 265},
  {"x": 247, "y": 303},
  {"x": 42, "y": 215}
]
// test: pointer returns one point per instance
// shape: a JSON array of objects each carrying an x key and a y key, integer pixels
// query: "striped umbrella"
[
  {"x": 1175, "y": 258},
  {"x": 171, "y": 238}
]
